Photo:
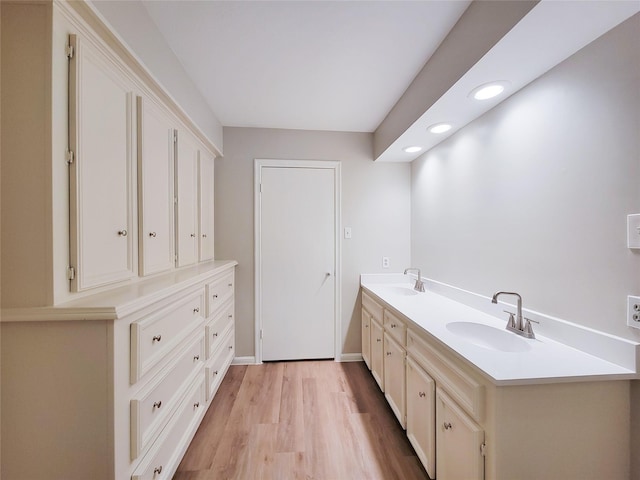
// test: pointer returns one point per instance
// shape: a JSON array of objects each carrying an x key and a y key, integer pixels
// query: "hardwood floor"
[{"x": 317, "y": 420}]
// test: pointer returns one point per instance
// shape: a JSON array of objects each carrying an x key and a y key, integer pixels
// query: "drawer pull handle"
[
  {"x": 393, "y": 325},
  {"x": 378, "y": 340},
  {"x": 193, "y": 235},
  {"x": 196, "y": 358},
  {"x": 366, "y": 326},
  {"x": 215, "y": 295},
  {"x": 422, "y": 394},
  {"x": 196, "y": 310},
  {"x": 388, "y": 354},
  {"x": 157, "y": 470},
  {"x": 122, "y": 233},
  {"x": 215, "y": 334},
  {"x": 196, "y": 405},
  {"x": 230, "y": 316},
  {"x": 204, "y": 235},
  {"x": 156, "y": 338},
  {"x": 215, "y": 372},
  {"x": 157, "y": 404},
  {"x": 447, "y": 425},
  {"x": 152, "y": 234},
  {"x": 230, "y": 347}
]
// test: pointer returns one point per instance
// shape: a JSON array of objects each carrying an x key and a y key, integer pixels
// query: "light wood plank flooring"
[{"x": 317, "y": 420}]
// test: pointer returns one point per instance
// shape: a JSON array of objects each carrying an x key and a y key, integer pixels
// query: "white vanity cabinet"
[
  {"x": 186, "y": 199},
  {"x": 155, "y": 187},
  {"x": 421, "y": 415},
  {"x": 205, "y": 206},
  {"x": 366, "y": 337},
  {"x": 102, "y": 163}
]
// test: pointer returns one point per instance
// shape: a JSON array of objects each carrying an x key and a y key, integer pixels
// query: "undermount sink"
[
  {"x": 488, "y": 337},
  {"x": 400, "y": 291}
]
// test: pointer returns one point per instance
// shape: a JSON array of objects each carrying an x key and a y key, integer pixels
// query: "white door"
[
  {"x": 187, "y": 194},
  {"x": 297, "y": 241}
]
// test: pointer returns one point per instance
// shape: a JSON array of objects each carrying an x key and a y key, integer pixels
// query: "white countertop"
[{"x": 543, "y": 360}]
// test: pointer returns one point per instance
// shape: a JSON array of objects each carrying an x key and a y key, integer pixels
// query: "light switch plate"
[
  {"x": 633, "y": 231},
  {"x": 633, "y": 311},
  {"x": 347, "y": 232}
]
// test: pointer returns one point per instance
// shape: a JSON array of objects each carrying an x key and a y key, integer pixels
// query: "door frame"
[{"x": 335, "y": 166}]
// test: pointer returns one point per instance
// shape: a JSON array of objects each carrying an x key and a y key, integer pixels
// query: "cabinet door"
[
  {"x": 102, "y": 174},
  {"x": 187, "y": 195},
  {"x": 366, "y": 338},
  {"x": 206, "y": 206},
  {"x": 394, "y": 377},
  {"x": 459, "y": 440},
  {"x": 421, "y": 415},
  {"x": 155, "y": 188},
  {"x": 377, "y": 353}
]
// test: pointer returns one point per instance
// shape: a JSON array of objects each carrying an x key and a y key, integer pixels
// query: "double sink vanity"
[{"x": 478, "y": 401}]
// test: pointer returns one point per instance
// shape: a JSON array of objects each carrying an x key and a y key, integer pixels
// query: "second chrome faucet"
[
  {"x": 519, "y": 325},
  {"x": 419, "y": 286}
]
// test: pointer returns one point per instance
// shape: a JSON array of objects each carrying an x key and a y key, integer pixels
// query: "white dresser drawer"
[
  {"x": 460, "y": 385},
  {"x": 217, "y": 328},
  {"x": 373, "y": 307},
  {"x": 217, "y": 366},
  {"x": 218, "y": 292},
  {"x": 152, "y": 406},
  {"x": 395, "y": 327},
  {"x": 162, "y": 460},
  {"x": 155, "y": 335}
]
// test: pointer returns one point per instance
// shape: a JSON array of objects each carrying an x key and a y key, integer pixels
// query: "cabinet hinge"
[
  {"x": 69, "y": 157},
  {"x": 483, "y": 449},
  {"x": 71, "y": 273},
  {"x": 69, "y": 51}
]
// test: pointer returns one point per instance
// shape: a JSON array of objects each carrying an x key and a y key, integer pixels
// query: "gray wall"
[
  {"x": 375, "y": 204},
  {"x": 533, "y": 196}
]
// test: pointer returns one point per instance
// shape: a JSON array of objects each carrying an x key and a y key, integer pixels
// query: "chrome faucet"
[
  {"x": 419, "y": 286},
  {"x": 519, "y": 324}
]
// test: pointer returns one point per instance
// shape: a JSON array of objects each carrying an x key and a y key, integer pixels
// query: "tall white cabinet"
[{"x": 117, "y": 322}]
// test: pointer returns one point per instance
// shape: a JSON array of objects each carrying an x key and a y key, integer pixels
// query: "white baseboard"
[
  {"x": 349, "y": 357},
  {"x": 251, "y": 360}
]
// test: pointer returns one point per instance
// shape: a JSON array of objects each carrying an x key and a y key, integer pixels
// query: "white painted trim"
[
  {"x": 249, "y": 360},
  {"x": 336, "y": 166},
  {"x": 350, "y": 357}
]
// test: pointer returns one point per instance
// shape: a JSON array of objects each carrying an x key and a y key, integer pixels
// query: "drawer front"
[
  {"x": 165, "y": 455},
  {"x": 218, "y": 365},
  {"x": 395, "y": 327},
  {"x": 462, "y": 387},
  {"x": 373, "y": 307},
  {"x": 219, "y": 291},
  {"x": 151, "y": 408},
  {"x": 215, "y": 330},
  {"x": 154, "y": 336}
]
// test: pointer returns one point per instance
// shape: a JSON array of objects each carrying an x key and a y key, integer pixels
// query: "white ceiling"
[{"x": 312, "y": 65}]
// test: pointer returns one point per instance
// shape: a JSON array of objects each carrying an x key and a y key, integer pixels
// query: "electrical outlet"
[
  {"x": 385, "y": 262},
  {"x": 633, "y": 311},
  {"x": 633, "y": 231}
]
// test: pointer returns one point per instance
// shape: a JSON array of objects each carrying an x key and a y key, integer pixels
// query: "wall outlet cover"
[
  {"x": 633, "y": 231},
  {"x": 633, "y": 311},
  {"x": 385, "y": 262}
]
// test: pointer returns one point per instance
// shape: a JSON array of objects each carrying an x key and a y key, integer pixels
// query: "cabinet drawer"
[
  {"x": 460, "y": 385},
  {"x": 162, "y": 460},
  {"x": 216, "y": 329},
  {"x": 218, "y": 365},
  {"x": 155, "y": 335},
  {"x": 218, "y": 292},
  {"x": 373, "y": 307},
  {"x": 151, "y": 408},
  {"x": 395, "y": 327}
]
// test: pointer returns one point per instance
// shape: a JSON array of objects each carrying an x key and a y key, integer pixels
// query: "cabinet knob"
[
  {"x": 422, "y": 394},
  {"x": 196, "y": 405},
  {"x": 204, "y": 235},
  {"x": 215, "y": 295},
  {"x": 366, "y": 326},
  {"x": 229, "y": 284},
  {"x": 378, "y": 340},
  {"x": 156, "y": 338},
  {"x": 196, "y": 310},
  {"x": 196, "y": 358},
  {"x": 230, "y": 316},
  {"x": 388, "y": 354},
  {"x": 152, "y": 234},
  {"x": 193, "y": 235},
  {"x": 215, "y": 372},
  {"x": 447, "y": 425},
  {"x": 393, "y": 325},
  {"x": 157, "y": 404},
  {"x": 157, "y": 470},
  {"x": 230, "y": 347},
  {"x": 122, "y": 233}
]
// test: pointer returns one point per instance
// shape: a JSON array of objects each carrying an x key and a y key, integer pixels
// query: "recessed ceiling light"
[
  {"x": 439, "y": 128},
  {"x": 413, "y": 149},
  {"x": 488, "y": 90}
]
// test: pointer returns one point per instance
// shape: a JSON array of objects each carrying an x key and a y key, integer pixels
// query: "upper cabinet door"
[
  {"x": 155, "y": 188},
  {"x": 187, "y": 196},
  {"x": 206, "y": 206},
  {"x": 102, "y": 174}
]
